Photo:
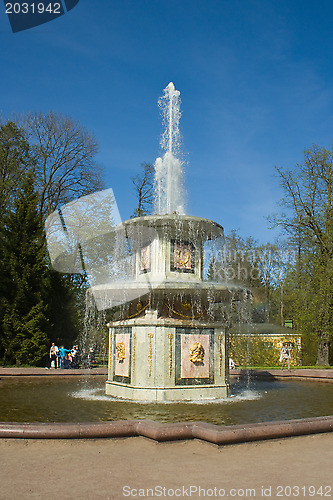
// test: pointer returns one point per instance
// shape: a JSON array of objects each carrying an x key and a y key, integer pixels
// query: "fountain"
[
  {"x": 168, "y": 335},
  {"x": 168, "y": 340}
]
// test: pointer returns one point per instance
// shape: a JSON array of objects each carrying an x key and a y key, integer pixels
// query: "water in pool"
[{"x": 72, "y": 399}]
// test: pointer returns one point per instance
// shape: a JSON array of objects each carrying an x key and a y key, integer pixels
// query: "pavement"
[
  {"x": 139, "y": 468},
  {"x": 47, "y": 372}
]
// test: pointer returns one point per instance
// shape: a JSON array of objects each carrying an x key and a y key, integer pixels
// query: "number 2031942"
[
  {"x": 304, "y": 491},
  {"x": 33, "y": 8}
]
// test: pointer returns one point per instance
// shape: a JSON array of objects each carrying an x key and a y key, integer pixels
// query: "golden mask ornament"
[
  {"x": 183, "y": 256},
  {"x": 120, "y": 352},
  {"x": 197, "y": 353}
]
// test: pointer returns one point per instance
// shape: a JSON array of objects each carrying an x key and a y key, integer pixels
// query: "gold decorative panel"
[
  {"x": 197, "y": 353},
  {"x": 182, "y": 256},
  {"x": 120, "y": 352},
  {"x": 195, "y": 356}
]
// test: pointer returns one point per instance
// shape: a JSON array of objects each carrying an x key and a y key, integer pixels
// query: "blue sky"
[{"x": 256, "y": 83}]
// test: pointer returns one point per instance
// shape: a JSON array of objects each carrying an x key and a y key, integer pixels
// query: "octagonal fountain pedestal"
[{"x": 169, "y": 343}]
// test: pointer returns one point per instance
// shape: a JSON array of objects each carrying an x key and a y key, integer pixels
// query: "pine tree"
[
  {"x": 65, "y": 312},
  {"x": 36, "y": 302},
  {"x": 24, "y": 311}
]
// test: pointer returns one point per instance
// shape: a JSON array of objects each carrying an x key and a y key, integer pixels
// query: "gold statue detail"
[
  {"x": 183, "y": 256},
  {"x": 186, "y": 306},
  {"x": 197, "y": 353},
  {"x": 120, "y": 352}
]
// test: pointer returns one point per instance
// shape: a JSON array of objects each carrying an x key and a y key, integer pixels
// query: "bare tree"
[
  {"x": 64, "y": 153},
  {"x": 144, "y": 186}
]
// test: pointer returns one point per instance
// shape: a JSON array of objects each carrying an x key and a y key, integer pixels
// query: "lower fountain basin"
[{"x": 82, "y": 399}]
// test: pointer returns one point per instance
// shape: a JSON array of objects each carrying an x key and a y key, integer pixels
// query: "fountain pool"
[{"x": 83, "y": 399}]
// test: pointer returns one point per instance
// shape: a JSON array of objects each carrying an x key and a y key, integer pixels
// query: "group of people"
[{"x": 70, "y": 358}]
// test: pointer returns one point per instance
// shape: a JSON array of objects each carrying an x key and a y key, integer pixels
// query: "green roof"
[{"x": 262, "y": 329}]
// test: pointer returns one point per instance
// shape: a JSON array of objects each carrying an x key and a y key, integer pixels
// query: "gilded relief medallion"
[
  {"x": 183, "y": 256},
  {"x": 197, "y": 353},
  {"x": 120, "y": 352}
]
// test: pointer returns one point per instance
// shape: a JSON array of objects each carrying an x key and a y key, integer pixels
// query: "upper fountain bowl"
[
  {"x": 181, "y": 227},
  {"x": 171, "y": 258}
]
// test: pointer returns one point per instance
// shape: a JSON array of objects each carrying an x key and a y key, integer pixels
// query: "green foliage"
[
  {"x": 46, "y": 162},
  {"x": 29, "y": 341},
  {"x": 309, "y": 348},
  {"x": 64, "y": 309},
  {"x": 24, "y": 263},
  {"x": 308, "y": 222}
]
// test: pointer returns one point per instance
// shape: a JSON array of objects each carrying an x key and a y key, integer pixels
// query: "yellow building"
[{"x": 259, "y": 344}]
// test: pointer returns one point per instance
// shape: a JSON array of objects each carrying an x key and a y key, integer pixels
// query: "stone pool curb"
[
  {"x": 315, "y": 374},
  {"x": 215, "y": 434}
]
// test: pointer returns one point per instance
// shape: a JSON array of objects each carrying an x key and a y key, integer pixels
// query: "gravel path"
[{"x": 125, "y": 468}]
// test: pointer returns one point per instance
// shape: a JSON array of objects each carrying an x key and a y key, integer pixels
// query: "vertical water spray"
[{"x": 169, "y": 189}]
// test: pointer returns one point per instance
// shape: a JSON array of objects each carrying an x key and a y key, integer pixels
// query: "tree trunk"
[{"x": 281, "y": 305}]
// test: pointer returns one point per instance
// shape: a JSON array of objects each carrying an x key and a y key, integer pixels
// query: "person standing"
[
  {"x": 75, "y": 356},
  {"x": 285, "y": 356},
  {"x": 54, "y": 350},
  {"x": 232, "y": 365},
  {"x": 63, "y": 352}
]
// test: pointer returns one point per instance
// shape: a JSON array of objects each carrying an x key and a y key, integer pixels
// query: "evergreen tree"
[
  {"x": 65, "y": 311},
  {"x": 24, "y": 311},
  {"x": 14, "y": 159},
  {"x": 36, "y": 302}
]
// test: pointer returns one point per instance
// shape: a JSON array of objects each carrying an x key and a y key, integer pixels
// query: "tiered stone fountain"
[{"x": 169, "y": 342}]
